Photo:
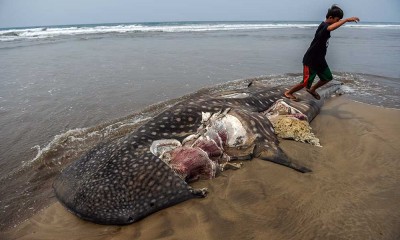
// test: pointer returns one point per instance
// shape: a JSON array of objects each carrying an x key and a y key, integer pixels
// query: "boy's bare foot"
[
  {"x": 290, "y": 96},
  {"x": 314, "y": 94}
]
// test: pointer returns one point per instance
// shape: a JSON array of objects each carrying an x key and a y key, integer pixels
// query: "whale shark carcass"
[{"x": 126, "y": 180}]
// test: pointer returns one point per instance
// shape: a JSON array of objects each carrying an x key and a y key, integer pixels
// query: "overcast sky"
[{"x": 19, "y": 13}]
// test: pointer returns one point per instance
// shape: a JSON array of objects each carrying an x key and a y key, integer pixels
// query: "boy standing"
[{"x": 314, "y": 62}]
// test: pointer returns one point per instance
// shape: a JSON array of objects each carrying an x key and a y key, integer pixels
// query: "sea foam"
[{"x": 59, "y": 31}]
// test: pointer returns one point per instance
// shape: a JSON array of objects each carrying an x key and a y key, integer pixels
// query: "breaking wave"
[{"x": 170, "y": 27}]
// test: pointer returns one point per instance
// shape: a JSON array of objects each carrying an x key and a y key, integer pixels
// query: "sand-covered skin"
[{"x": 352, "y": 193}]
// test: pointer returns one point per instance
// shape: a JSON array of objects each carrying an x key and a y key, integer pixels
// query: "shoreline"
[{"x": 352, "y": 193}]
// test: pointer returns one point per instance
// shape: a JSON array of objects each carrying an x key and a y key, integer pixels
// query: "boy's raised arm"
[{"x": 335, "y": 25}]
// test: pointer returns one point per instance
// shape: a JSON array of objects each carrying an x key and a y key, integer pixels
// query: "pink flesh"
[{"x": 191, "y": 163}]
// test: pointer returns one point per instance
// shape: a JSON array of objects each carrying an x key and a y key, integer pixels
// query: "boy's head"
[{"x": 334, "y": 12}]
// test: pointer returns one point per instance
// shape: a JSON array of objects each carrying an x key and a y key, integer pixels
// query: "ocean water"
[{"x": 65, "y": 88}]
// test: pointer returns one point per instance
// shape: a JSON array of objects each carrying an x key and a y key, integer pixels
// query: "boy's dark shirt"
[{"x": 315, "y": 55}]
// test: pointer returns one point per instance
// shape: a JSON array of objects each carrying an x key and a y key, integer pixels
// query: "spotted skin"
[
  {"x": 120, "y": 191},
  {"x": 122, "y": 181}
]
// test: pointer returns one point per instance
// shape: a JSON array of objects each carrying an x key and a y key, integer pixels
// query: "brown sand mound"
[{"x": 352, "y": 193}]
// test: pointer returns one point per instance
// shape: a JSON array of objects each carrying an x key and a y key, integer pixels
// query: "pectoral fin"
[{"x": 276, "y": 155}]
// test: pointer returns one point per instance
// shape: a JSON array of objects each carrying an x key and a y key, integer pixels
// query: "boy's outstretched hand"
[{"x": 353, "y": 19}]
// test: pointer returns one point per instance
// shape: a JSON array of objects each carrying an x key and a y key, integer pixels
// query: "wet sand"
[{"x": 352, "y": 193}]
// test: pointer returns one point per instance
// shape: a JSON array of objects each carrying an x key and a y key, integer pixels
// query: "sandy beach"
[{"x": 352, "y": 193}]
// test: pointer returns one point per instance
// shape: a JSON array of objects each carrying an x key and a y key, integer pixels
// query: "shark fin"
[{"x": 279, "y": 157}]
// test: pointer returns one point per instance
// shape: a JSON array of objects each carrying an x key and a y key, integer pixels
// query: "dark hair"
[{"x": 335, "y": 11}]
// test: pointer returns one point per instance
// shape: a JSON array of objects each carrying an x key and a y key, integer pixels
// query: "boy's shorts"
[{"x": 309, "y": 75}]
